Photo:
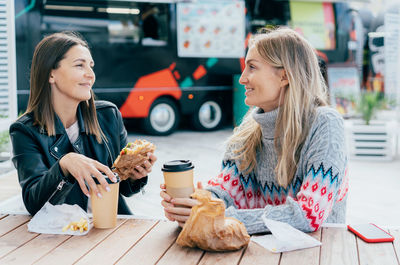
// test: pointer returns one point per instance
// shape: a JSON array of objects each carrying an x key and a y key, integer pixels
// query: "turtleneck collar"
[{"x": 267, "y": 121}]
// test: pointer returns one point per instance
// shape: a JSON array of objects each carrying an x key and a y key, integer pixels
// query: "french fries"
[{"x": 82, "y": 225}]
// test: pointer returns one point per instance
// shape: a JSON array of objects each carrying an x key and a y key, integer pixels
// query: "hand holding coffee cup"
[
  {"x": 175, "y": 193},
  {"x": 178, "y": 177},
  {"x": 105, "y": 208}
]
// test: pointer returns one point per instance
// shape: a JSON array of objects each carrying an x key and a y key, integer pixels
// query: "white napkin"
[
  {"x": 51, "y": 219},
  {"x": 284, "y": 238}
]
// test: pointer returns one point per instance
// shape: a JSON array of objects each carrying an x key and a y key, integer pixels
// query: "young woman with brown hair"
[{"x": 65, "y": 138}]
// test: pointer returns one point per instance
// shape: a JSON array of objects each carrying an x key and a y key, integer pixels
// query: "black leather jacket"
[{"x": 36, "y": 157}]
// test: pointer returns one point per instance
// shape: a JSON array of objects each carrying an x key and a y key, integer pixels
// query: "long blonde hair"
[
  {"x": 47, "y": 56},
  {"x": 283, "y": 48}
]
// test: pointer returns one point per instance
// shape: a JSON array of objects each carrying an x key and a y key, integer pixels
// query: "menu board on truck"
[{"x": 211, "y": 29}]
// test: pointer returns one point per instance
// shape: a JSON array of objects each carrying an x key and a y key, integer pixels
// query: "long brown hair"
[
  {"x": 284, "y": 48},
  {"x": 47, "y": 56}
]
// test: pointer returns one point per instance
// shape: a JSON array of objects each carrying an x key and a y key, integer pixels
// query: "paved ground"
[{"x": 373, "y": 193}]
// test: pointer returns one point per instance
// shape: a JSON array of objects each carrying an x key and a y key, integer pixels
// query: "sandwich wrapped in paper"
[
  {"x": 209, "y": 229},
  {"x": 132, "y": 155}
]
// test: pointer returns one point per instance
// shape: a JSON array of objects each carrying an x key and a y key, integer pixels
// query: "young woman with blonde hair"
[
  {"x": 287, "y": 160},
  {"x": 65, "y": 139}
]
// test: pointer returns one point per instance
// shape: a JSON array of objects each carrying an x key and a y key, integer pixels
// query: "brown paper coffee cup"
[
  {"x": 105, "y": 209},
  {"x": 178, "y": 177}
]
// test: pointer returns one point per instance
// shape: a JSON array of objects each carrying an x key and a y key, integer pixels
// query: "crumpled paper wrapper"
[
  {"x": 52, "y": 218},
  {"x": 209, "y": 229},
  {"x": 284, "y": 237}
]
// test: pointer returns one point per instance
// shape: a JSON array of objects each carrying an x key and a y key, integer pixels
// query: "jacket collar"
[
  {"x": 80, "y": 118},
  {"x": 59, "y": 127},
  {"x": 62, "y": 145}
]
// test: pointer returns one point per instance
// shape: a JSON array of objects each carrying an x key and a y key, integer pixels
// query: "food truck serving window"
[{"x": 113, "y": 21}]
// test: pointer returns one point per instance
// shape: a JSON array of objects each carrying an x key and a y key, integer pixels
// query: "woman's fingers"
[
  {"x": 83, "y": 169},
  {"x": 106, "y": 170},
  {"x": 199, "y": 185},
  {"x": 92, "y": 186},
  {"x": 173, "y": 212},
  {"x": 182, "y": 211},
  {"x": 152, "y": 158},
  {"x": 82, "y": 184},
  {"x": 165, "y": 196},
  {"x": 176, "y": 209},
  {"x": 140, "y": 172},
  {"x": 184, "y": 202},
  {"x": 179, "y": 218},
  {"x": 169, "y": 217},
  {"x": 144, "y": 169},
  {"x": 166, "y": 204},
  {"x": 147, "y": 166},
  {"x": 102, "y": 181}
]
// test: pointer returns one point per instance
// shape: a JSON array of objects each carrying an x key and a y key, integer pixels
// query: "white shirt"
[{"x": 73, "y": 132}]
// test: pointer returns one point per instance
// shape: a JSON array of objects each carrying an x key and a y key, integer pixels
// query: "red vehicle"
[{"x": 154, "y": 59}]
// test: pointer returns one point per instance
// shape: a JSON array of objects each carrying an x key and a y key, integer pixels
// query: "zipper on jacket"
[
  {"x": 59, "y": 187},
  {"x": 61, "y": 184}
]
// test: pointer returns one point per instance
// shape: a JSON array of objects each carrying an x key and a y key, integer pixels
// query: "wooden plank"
[
  {"x": 118, "y": 243},
  {"x": 77, "y": 246},
  {"x": 34, "y": 249},
  {"x": 256, "y": 254},
  {"x": 221, "y": 258},
  {"x": 181, "y": 255},
  {"x": 11, "y": 222},
  {"x": 308, "y": 256},
  {"x": 396, "y": 243},
  {"x": 376, "y": 253},
  {"x": 153, "y": 245},
  {"x": 338, "y": 247},
  {"x": 16, "y": 238}
]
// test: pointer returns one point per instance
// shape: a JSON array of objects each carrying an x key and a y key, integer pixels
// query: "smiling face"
[
  {"x": 72, "y": 81},
  {"x": 263, "y": 82}
]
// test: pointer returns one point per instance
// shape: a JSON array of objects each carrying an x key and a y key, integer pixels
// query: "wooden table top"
[{"x": 138, "y": 241}]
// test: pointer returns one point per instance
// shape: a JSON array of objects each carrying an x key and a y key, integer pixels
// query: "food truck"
[{"x": 166, "y": 61}]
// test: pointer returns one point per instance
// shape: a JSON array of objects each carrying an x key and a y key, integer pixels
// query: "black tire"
[
  {"x": 208, "y": 115},
  {"x": 163, "y": 117}
]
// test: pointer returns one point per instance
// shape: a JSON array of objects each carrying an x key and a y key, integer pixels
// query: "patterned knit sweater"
[{"x": 317, "y": 193}]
